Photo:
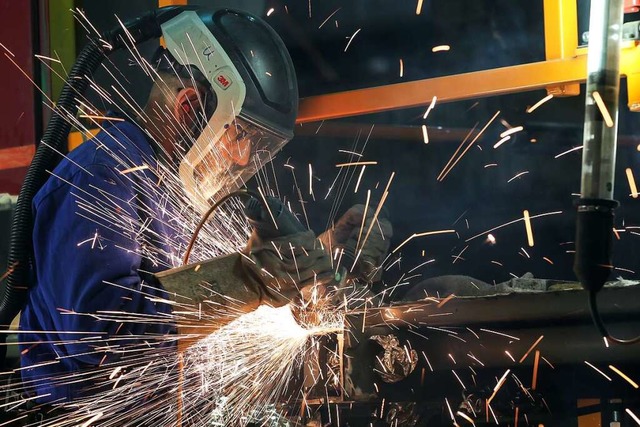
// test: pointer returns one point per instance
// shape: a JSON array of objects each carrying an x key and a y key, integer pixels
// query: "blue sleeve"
[{"x": 87, "y": 252}]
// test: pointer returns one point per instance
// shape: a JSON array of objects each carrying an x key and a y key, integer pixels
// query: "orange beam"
[
  {"x": 518, "y": 78},
  {"x": 478, "y": 84}
]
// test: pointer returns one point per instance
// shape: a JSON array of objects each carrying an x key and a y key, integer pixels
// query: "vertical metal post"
[
  {"x": 595, "y": 207},
  {"x": 603, "y": 81}
]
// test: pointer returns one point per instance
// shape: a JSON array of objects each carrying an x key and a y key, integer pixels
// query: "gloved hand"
[
  {"x": 344, "y": 234},
  {"x": 281, "y": 266}
]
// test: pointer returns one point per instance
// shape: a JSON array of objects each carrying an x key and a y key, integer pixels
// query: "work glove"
[
  {"x": 280, "y": 267},
  {"x": 344, "y": 235}
]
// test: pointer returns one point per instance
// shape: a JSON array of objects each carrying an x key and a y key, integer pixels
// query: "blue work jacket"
[{"x": 101, "y": 227}]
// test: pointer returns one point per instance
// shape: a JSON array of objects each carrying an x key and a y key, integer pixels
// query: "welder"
[{"x": 218, "y": 112}]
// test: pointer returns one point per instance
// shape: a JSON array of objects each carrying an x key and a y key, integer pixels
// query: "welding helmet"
[{"x": 250, "y": 75}]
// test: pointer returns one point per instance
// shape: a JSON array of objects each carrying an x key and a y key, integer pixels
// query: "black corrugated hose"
[{"x": 45, "y": 159}]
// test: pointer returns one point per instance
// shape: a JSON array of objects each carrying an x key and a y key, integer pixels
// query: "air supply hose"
[{"x": 54, "y": 140}]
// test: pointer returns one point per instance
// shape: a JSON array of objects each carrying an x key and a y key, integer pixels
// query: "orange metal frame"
[{"x": 561, "y": 74}]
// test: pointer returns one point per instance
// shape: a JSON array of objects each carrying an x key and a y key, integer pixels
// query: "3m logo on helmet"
[{"x": 223, "y": 80}]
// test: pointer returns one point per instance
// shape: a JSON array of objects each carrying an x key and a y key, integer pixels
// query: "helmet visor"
[{"x": 226, "y": 163}]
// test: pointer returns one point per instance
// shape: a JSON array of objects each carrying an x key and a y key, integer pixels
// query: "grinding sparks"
[
  {"x": 430, "y": 107},
  {"x": 571, "y": 150},
  {"x": 346, "y": 165},
  {"x": 359, "y": 179},
  {"x": 134, "y": 169},
  {"x": 531, "y": 349},
  {"x": 459, "y": 380},
  {"x": 500, "y": 333},
  {"x": 511, "y": 131},
  {"x": 501, "y": 381},
  {"x": 451, "y": 163},
  {"x": 425, "y": 135},
  {"x": 597, "y": 370},
  {"x": 632, "y": 415},
  {"x": 603, "y": 109},
  {"x": 539, "y": 103},
  {"x": 528, "y": 228},
  {"x": 502, "y": 141},
  {"x": 253, "y": 350},
  {"x": 426, "y": 233},
  {"x": 466, "y": 417},
  {"x": 351, "y": 39},
  {"x": 230, "y": 376},
  {"x": 510, "y": 223},
  {"x": 518, "y": 175},
  {"x": 534, "y": 379},
  {"x": 632, "y": 183},
  {"x": 329, "y": 17},
  {"x": 441, "y": 48},
  {"x": 624, "y": 376},
  {"x": 47, "y": 58},
  {"x": 7, "y": 50}
]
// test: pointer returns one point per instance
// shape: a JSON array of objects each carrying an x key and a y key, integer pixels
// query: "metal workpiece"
[
  {"x": 478, "y": 333},
  {"x": 560, "y": 303},
  {"x": 465, "y": 343}
]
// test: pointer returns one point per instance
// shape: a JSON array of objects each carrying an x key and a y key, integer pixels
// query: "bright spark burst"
[
  {"x": 246, "y": 366},
  {"x": 147, "y": 382}
]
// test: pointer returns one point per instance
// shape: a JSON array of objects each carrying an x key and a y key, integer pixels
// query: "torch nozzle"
[{"x": 594, "y": 241}]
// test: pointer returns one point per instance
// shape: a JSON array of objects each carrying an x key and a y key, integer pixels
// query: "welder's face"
[
  {"x": 236, "y": 144},
  {"x": 225, "y": 157}
]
